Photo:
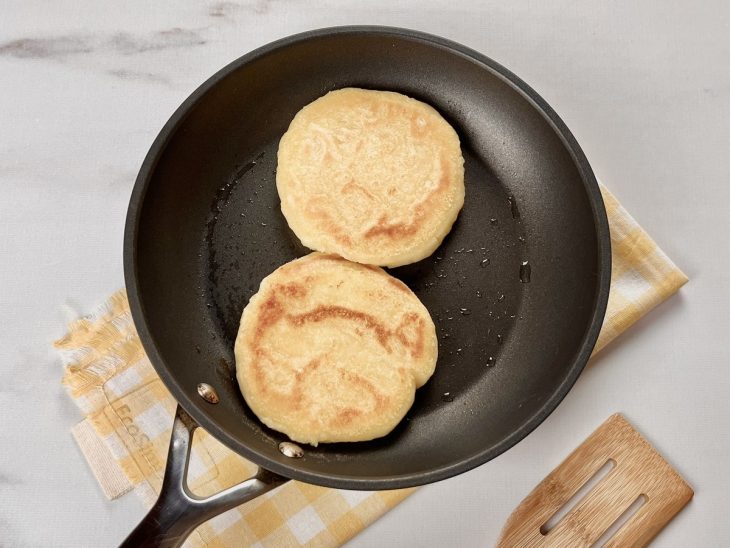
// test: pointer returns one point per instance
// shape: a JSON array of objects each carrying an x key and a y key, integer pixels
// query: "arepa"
[
  {"x": 373, "y": 176},
  {"x": 331, "y": 351}
]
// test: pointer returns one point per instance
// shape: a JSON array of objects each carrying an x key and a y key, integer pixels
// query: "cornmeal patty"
[
  {"x": 373, "y": 176},
  {"x": 329, "y": 350}
]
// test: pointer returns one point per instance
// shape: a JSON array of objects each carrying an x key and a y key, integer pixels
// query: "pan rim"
[{"x": 386, "y": 481}]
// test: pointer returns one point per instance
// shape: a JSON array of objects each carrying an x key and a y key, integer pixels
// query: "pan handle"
[{"x": 178, "y": 511}]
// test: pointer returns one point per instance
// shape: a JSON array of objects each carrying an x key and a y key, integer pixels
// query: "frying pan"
[{"x": 517, "y": 290}]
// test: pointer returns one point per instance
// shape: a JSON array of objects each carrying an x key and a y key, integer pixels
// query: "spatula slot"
[
  {"x": 620, "y": 521},
  {"x": 579, "y": 495},
  {"x": 619, "y": 491}
]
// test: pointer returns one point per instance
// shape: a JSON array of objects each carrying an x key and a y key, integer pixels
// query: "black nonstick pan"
[{"x": 517, "y": 290}]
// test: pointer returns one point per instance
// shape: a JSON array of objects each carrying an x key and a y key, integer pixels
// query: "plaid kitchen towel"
[{"x": 129, "y": 414}]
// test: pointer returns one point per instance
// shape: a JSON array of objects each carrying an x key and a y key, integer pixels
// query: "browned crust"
[
  {"x": 324, "y": 312},
  {"x": 410, "y": 333},
  {"x": 272, "y": 311},
  {"x": 328, "y": 224},
  {"x": 417, "y": 323},
  {"x": 347, "y": 415},
  {"x": 354, "y": 188},
  {"x": 293, "y": 290},
  {"x": 395, "y": 231}
]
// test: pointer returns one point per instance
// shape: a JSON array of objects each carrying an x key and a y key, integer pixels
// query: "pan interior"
[{"x": 209, "y": 228}]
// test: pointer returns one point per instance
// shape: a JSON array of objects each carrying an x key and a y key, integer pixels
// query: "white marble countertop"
[{"x": 86, "y": 85}]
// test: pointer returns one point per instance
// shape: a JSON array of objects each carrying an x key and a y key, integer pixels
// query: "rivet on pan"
[
  {"x": 291, "y": 450},
  {"x": 208, "y": 393}
]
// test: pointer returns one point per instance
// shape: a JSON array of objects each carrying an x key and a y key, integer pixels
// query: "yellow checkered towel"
[{"x": 129, "y": 414}]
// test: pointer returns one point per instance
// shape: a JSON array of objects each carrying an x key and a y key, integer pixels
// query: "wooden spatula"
[{"x": 637, "y": 476}]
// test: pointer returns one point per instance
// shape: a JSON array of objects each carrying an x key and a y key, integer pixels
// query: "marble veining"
[
  {"x": 222, "y": 9},
  {"x": 140, "y": 76},
  {"x": 123, "y": 43},
  {"x": 44, "y": 48},
  {"x": 129, "y": 44},
  {"x": 226, "y": 9}
]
